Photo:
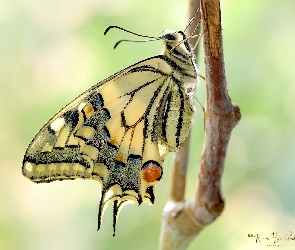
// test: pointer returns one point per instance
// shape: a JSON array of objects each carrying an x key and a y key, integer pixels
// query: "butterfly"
[{"x": 120, "y": 130}]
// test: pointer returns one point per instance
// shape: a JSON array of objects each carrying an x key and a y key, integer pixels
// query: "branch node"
[
  {"x": 236, "y": 113},
  {"x": 217, "y": 208}
]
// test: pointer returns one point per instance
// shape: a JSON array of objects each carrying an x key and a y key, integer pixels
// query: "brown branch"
[
  {"x": 179, "y": 170},
  {"x": 183, "y": 220}
]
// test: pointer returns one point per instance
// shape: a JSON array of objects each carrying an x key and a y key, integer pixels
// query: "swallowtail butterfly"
[{"x": 120, "y": 130}]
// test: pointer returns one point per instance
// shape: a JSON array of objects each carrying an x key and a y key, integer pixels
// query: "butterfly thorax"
[{"x": 178, "y": 52}]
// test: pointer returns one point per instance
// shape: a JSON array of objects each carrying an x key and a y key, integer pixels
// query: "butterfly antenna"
[
  {"x": 152, "y": 38},
  {"x": 136, "y": 41},
  {"x": 128, "y": 31}
]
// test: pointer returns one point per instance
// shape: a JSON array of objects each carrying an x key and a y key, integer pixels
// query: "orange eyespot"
[{"x": 151, "y": 173}]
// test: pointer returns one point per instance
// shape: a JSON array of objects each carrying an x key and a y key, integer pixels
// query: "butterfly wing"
[{"x": 117, "y": 132}]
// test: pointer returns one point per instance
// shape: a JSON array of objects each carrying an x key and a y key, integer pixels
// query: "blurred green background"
[{"x": 51, "y": 51}]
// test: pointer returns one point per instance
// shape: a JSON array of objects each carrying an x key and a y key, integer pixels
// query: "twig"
[{"x": 183, "y": 220}]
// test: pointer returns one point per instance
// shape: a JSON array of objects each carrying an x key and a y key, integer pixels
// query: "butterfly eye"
[{"x": 169, "y": 36}]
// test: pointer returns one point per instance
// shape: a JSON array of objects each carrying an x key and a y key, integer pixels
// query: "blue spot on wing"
[
  {"x": 106, "y": 133},
  {"x": 106, "y": 114},
  {"x": 99, "y": 100},
  {"x": 111, "y": 147},
  {"x": 120, "y": 164},
  {"x": 134, "y": 159},
  {"x": 96, "y": 100}
]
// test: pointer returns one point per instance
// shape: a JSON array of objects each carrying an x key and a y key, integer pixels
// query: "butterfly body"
[{"x": 119, "y": 131}]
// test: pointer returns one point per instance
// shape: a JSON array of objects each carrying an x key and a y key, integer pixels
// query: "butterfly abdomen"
[{"x": 179, "y": 108}]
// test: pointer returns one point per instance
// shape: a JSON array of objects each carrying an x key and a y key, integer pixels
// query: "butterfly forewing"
[{"x": 118, "y": 132}]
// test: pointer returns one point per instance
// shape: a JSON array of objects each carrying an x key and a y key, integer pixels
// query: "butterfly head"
[
  {"x": 175, "y": 43},
  {"x": 171, "y": 36}
]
